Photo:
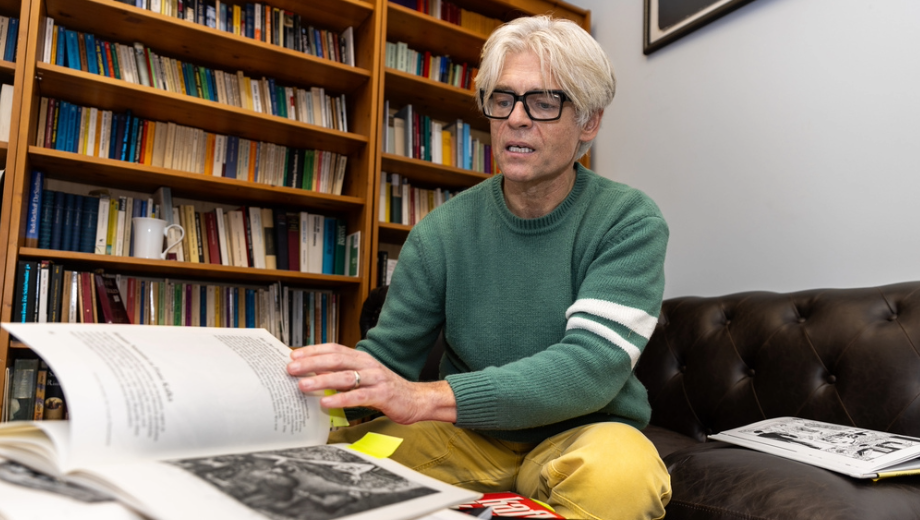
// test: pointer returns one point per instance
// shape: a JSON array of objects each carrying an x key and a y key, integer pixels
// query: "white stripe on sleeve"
[
  {"x": 637, "y": 320},
  {"x": 610, "y": 335}
]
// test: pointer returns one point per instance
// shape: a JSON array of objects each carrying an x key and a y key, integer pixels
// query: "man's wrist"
[{"x": 438, "y": 402}]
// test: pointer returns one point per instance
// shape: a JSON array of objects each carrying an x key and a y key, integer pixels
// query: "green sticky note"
[
  {"x": 336, "y": 415},
  {"x": 377, "y": 445}
]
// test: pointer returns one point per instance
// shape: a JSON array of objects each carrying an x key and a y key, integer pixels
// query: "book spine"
[{"x": 33, "y": 215}]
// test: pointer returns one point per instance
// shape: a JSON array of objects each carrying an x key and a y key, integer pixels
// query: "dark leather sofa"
[{"x": 847, "y": 356}]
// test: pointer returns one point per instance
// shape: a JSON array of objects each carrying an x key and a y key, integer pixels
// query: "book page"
[
  {"x": 328, "y": 482},
  {"x": 27, "y": 495},
  {"x": 145, "y": 392},
  {"x": 847, "y": 449}
]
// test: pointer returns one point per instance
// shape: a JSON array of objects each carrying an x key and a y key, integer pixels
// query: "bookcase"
[
  {"x": 367, "y": 86},
  {"x": 192, "y": 42},
  {"x": 437, "y": 100}
]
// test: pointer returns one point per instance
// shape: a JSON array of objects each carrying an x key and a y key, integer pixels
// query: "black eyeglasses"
[{"x": 540, "y": 105}]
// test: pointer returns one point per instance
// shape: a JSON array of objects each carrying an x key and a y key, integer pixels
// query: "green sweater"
[{"x": 544, "y": 319}]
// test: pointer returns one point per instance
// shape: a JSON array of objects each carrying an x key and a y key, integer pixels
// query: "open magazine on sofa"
[
  {"x": 853, "y": 451},
  {"x": 187, "y": 422}
]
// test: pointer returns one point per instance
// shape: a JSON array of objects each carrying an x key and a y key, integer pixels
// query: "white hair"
[{"x": 568, "y": 55}]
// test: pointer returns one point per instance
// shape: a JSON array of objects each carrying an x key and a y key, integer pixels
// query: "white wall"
[{"x": 782, "y": 142}]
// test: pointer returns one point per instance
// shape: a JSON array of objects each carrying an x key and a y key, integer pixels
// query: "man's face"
[{"x": 531, "y": 152}]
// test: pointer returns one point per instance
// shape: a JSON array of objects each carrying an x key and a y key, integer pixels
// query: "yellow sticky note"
[
  {"x": 377, "y": 445},
  {"x": 337, "y": 415}
]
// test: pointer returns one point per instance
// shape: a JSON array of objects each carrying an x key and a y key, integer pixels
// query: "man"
[{"x": 547, "y": 281}]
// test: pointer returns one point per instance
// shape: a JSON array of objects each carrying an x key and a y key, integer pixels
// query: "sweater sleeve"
[
  {"x": 412, "y": 315},
  {"x": 589, "y": 368}
]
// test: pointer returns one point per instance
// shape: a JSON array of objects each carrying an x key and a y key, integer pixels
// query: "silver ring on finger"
[{"x": 357, "y": 380}]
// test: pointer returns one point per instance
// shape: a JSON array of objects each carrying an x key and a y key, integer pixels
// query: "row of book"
[
  {"x": 32, "y": 392},
  {"x": 48, "y": 292},
  {"x": 123, "y": 136},
  {"x": 51, "y": 293},
  {"x": 437, "y": 68},
  {"x": 9, "y": 37},
  {"x": 417, "y": 136},
  {"x": 262, "y": 238},
  {"x": 402, "y": 203},
  {"x": 140, "y": 65},
  {"x": 452, "y": 13},
  {"x": 261, "y": 22}
]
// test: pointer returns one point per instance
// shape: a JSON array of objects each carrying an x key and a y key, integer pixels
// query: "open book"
[
  {"x": 853, "y": 451},
  {"x": 194, "y": 422}
]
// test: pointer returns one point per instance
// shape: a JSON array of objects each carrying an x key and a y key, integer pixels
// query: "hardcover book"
[{"x": 172, "y": 441}]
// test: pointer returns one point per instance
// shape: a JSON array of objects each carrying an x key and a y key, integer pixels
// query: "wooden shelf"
[
  {"x": 180, "y": 39},
  {"x": 149, "y": 103},
  {"x": 10, "y": 7},
  {"x": 185, "y": 270},
  {"x": 429, "y": 173},
  {"x": 7, "y": 67},
  {"x": 138, "y": 177},
  {"x": 507, "y": 10},
  {"x": 422, "y": 31},
  {"x": 393, "y": 233},
  {"x": 433, "y": 99}
]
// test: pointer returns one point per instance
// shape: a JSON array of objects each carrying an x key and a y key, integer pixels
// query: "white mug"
[{"x": 148, "y": 237}]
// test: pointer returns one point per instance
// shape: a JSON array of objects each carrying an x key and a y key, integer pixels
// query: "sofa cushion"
[
  {"x": 719, "y": 481},
  {"x": 668, "y": 441}
]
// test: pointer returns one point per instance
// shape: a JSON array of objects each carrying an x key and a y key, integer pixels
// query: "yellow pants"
[{"x": 598, "y": 471}]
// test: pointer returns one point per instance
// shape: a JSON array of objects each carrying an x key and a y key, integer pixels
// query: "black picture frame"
[{"x": 680, "y": 18}]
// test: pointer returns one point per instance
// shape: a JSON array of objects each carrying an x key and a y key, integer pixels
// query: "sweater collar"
[{"x": 548, "y": 221}]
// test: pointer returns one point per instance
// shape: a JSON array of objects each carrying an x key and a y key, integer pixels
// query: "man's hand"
[{"x": 332, "y": 366}]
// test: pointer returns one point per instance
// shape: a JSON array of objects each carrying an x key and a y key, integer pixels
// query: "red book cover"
[
  {"x": 426, "y": 64},
  {"x": 108, "y": 57},
  {"x": 506, "y": 504},
  {"x": 113, "y": 309},
  {"x": 87, "y": 300},
  {"x": 130, "y": 297},
  {"x": 210, "y": 224}
]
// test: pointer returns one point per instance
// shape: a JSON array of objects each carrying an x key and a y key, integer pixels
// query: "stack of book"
[
  {"x": 438, "y": 68},
  {"x": 402, "y": 203},
  {"x": 140, "y": 65},
  {"x": 9, "y": 37},
  {"x": 261, "y": 22},
  {"x": 248, "y": 236},
  {"x": 49, "y": 292},
  {"x": 454, "y": 143},
  {"x": 452, "y": 13},
  {"x": 122, "y": 136}
]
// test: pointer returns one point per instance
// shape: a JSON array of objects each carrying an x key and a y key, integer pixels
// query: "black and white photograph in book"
[
  {"x": 853, "y": 443},
  {"x": 669, "y": 20},
  {"x": 19, "y": 475},
  {"x": 327, "y": 481}
]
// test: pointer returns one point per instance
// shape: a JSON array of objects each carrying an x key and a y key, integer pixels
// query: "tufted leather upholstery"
[{"x": 848, "y": 356}]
